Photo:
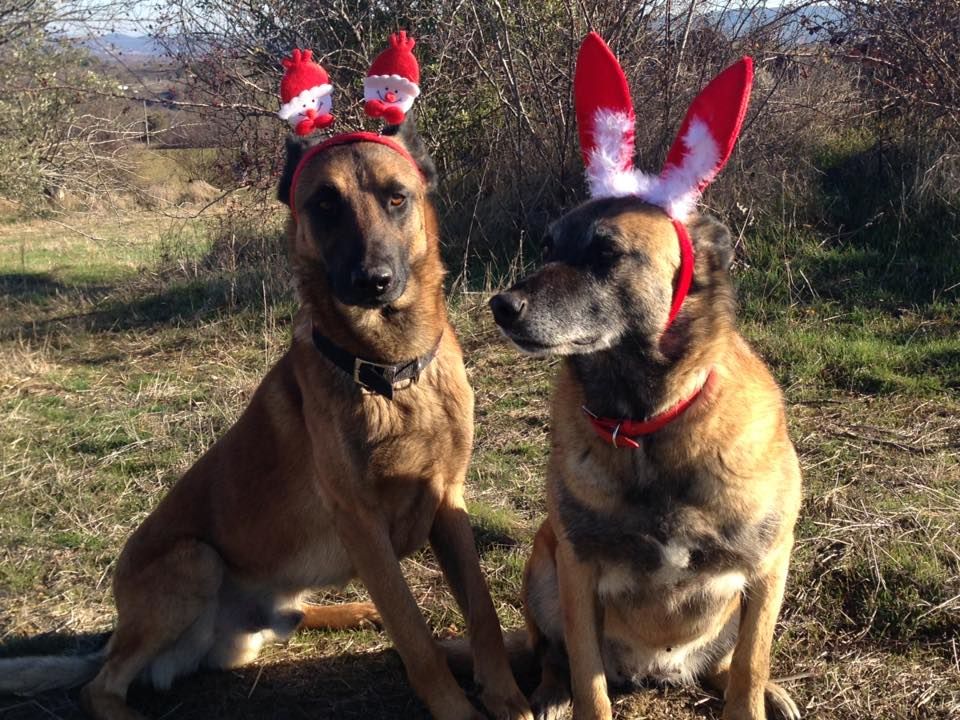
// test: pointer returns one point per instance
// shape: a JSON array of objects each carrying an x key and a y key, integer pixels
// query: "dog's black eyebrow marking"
[
  {"x": 324, "y": 193},
  {"x": 328, "y": 188},
  {"x": 396, "y": 187}
]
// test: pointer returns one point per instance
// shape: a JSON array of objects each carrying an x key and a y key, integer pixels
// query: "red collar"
[
  {"x": 345, "y": 139},
  {"x": 622, "y": 433}
]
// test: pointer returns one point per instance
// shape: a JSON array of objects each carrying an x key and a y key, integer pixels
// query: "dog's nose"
[
  {"x": 507, "y": 308},
  {"x": 373, "y": 282}
]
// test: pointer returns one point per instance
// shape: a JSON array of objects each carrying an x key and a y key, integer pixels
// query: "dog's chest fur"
[
  {"x": 655, "y": 532},
  {"x": 411, "y": 448}
]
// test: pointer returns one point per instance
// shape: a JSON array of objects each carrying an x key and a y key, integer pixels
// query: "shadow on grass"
[
  {"x": 870, "y": 243},
  {"x": 185, "y": 303},
  {"x": 347, "y": 686},
  {"x": 237, "y": 274},
  {"x": 38, "y": 286},
  {"x": 350, "y": 685},
  {"x": 53, "y": 644},
  {"x": 490, "y": 538},
  {"x": 900, "y": 249}
]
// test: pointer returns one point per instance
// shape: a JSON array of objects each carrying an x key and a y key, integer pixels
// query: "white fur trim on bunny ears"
[
  {"x": 605, "y": 122},
  {"x": 606, "y": 175},
  {"x": 677, "y": 189}
]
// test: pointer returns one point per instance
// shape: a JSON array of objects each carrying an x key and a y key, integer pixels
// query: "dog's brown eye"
[
  {"x": 602, "y": 245},
  {"x": 397, "y": 199},
  {"x": 605, "y": 251},
  {"x": 326, "y": 199}
]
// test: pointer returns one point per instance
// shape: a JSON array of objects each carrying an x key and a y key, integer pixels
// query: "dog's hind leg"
[
  {"x": 339, "y": 617},
  {"x": 552, "y": 697},
  {"x": 157, "y": 606},
  {"x": 541, "y": 608}
]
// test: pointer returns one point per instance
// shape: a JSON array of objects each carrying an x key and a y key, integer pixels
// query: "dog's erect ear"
[
  {"x": 296, "y": 147},
  {"x": 407, "y": 134},
  {"x": 711, "y": 239}
]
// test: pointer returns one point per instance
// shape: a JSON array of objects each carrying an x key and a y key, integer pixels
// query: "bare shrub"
[
  {"x": 58, "y": 147},
  {"x": 497, "y": 108},
  {"x": 236, "y": 257},
  {"x": 497, "y": 104},
  {"x": 905, "y": 54},
  {"x": 908, "y": 51}
]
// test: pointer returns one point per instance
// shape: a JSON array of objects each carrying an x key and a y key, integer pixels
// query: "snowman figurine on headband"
[
  {"x": 392, "y": 82},
  {"x": 306, "y": 95},
  {"x": 389, "y": 89}
]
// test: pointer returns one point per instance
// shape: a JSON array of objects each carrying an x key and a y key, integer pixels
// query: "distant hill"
[
  {"x": 740, "y": 20},
  {"x": 729, "y": 21},
  {"x": 128, "y": 45}
]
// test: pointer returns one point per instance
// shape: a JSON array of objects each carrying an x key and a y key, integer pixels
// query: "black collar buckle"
[
  {"x": 377, "y": 378},
  {"x": 371, "y": 377}
]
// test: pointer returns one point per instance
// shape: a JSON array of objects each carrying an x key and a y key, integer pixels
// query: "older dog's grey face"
[{"x": 609, "y": 269}]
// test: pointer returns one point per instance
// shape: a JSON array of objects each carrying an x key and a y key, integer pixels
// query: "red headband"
[{"x": 345, "y": 139}]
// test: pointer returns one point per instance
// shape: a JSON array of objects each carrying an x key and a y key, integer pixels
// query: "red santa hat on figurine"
[
  {"x": 605, "y": 121},
  {"x": 306, "y": 95},
  {"x": 392, "y": 82}
]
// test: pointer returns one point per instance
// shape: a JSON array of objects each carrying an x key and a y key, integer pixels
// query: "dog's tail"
[
  {"x": 35, "y": 674},
  {"x": 523, "y": 661}
]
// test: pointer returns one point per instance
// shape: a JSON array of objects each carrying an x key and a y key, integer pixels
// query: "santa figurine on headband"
[
  {"x": 306, "y": 94},
  {"x": 392, "y": 82}
]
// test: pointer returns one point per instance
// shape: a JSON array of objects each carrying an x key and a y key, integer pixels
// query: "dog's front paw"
[
  {"x": 506, "y": 703},
  {"x": 743, "y": 711},
  {"x": 779, "y": 706},
  {"x": 550, "y": 701}
]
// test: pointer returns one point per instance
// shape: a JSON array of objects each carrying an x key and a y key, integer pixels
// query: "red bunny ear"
[
  {"x": 706, "y": 139},
  {"x": 605, "y": 119}
]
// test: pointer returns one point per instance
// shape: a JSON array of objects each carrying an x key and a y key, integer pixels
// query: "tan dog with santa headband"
[
  {"x": 352, "y": 452},
  {"x": 672, "y": 486}
]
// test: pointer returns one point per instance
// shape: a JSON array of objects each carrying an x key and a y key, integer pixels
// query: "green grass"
[
  {"x": 868, "y": 300},
  {"x": 821, "y": 330},
  {"x": 120, "y": 362},
  {"x": 91, "y": 249}
]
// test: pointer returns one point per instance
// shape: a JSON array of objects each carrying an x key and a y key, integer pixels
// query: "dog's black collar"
[{"x": 374, "y": 377}]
